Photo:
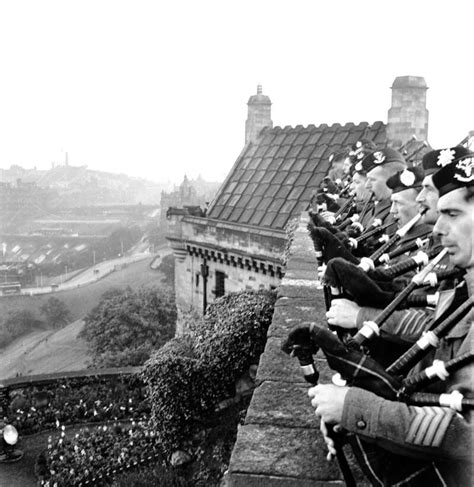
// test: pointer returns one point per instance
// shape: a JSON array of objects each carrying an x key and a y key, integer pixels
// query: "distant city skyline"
[{"x": 158, "y": 90}]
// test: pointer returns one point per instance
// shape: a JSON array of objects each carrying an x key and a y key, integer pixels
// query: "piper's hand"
[
  {"x": 328, "y": 401},
  {"x": 343, "y": 313},
  {"x": 328, "y": 216},
  {"x": 328, "y": 440}
]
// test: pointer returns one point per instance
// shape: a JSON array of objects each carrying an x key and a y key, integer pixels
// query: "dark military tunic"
[{"x": 419, "y": 446}]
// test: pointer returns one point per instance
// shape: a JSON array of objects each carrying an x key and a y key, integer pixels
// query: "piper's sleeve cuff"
[
  {"x": 366, "y": 314},
  {"x": 361, "y": 411}
]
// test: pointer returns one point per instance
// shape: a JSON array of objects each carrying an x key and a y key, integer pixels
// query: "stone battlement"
[{"x": 280, "y": 444}]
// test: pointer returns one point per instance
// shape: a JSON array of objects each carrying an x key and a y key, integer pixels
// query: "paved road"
[{"x": 96, "y": 272}]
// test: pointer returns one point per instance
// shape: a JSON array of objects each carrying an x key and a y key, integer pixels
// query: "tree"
[
  {"x": 55, "y": 312},
  {"x": 16, "y": 324},
  {"x": 21, "y": 321},
  {"x": 127, "y": 326},
  {"x": 167, "y": 268}
]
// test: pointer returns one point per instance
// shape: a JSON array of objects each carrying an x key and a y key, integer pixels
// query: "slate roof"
[{"x": 274, "y": 179}]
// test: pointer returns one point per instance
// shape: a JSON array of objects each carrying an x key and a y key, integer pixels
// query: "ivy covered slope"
[{"x": 190, "y": 375}]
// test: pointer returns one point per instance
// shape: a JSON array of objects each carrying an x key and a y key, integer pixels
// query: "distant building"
[
  {"x": 22, "y": 200},
  {"x": 190, "y": 194},
  {"x": 79, "y": 186}
]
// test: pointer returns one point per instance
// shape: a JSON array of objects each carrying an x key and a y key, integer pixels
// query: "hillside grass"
[{"x": 45, "y": 350}]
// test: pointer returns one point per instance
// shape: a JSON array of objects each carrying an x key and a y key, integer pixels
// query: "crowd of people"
[
  {"x": 78, "y": 400},
  {"x": 395, "y": 247}
]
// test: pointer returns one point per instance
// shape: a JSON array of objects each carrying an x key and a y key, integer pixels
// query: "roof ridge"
[{"x": 311, "y": 126}]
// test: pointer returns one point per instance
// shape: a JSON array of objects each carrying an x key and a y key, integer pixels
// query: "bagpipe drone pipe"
[
  {"x": 357, "y": 245},
  {"x": 354, "y": 220},
  {"x": 347, "y": 209},
  {"x": 368, "y": 263},
  {"x": 348, "y": 213},
  {"x": 330, "y": 245},
  {"x": 378, "y": 288}
]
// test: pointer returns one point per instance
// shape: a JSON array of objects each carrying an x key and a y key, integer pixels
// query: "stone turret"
[
  {"x": 408, "y": 115},
  {"x": 259, "y": 115}
]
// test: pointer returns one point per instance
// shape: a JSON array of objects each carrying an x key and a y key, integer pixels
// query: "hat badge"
[
  {"x": 358, "y": 167},
  {"x": 378, "y": 157},
  {"x": 446, "y": 156},
  {"x": 407, "y": 178},
  {"x": 464, "y": 170}
]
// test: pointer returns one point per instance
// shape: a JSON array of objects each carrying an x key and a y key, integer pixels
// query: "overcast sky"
[{"x": 158, "y": 89}]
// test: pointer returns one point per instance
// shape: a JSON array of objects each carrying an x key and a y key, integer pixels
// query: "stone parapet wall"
[{"x": 280, "y": 444}]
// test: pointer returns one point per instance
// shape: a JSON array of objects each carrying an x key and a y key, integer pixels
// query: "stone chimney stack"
[
  {"x": 259, "y": 115},
  {"x": 408, "y": 115}
]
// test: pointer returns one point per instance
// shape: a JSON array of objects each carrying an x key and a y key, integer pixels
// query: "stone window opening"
[{"x": 220, "y": 284}]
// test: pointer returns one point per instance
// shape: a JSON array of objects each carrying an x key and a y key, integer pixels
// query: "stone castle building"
[{"x": 239, "y": 243}]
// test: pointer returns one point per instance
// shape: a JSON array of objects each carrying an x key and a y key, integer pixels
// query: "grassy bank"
[{"x": 44, "y": 350}]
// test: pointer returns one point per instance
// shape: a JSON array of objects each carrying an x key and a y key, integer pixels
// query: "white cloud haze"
[{"x": 158, "y": 89}]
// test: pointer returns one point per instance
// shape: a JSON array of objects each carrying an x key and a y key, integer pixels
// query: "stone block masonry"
[{"x": 280, "y": 445}]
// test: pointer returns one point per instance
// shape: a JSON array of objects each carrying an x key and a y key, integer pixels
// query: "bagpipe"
[
  {"x": 355, "y": 219},
  {"x": 359, "y": 287},
  {"x": 346, "y": 277},
  {"x": 379, "y": 287},
  {"x": 357, "y": 368},
  {"x": 354, "y": 242},
  {"x": 419, "y": 243},
  {"x": 350, "y": 240},
  {"x": 329, "y": 245},
  {"x": 346, "y": 209},
  {"x": 368, "y": 263}
]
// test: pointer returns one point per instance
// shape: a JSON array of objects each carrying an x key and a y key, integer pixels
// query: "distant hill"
[{"x": 73, "y": 186}]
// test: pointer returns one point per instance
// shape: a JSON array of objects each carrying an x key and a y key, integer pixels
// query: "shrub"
[
  {"x": 16, "y": 324},
  {"x": 233, "y": 334},
  {"x": 180, "y": 391},
  {"x": 167, "y": 268},
  {"x": 190, "y": 375},
  {"x": 55, "y": 312}
]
